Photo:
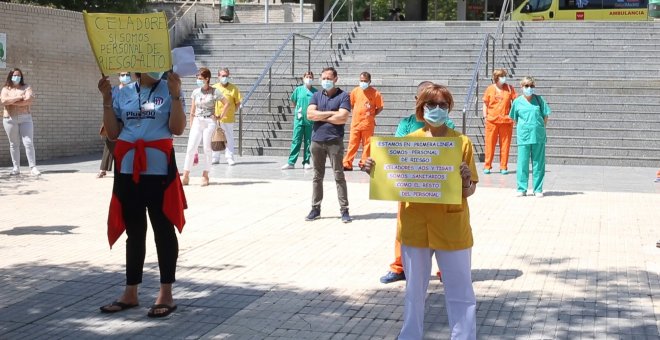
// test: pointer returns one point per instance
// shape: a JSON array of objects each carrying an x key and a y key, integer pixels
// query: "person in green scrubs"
[
  {"x": 302, "y": 127},
  {"x": 530, "y": 113}
]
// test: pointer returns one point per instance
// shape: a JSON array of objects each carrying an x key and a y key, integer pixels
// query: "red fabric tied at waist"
[
  {"x": 174, "y": 199},
  {"x": 140, "y": 154}
]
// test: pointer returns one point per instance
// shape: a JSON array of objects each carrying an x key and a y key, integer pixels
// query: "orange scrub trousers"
[
  {"x": 499, "y": 126},
  {"x": 365, "y": 106}
]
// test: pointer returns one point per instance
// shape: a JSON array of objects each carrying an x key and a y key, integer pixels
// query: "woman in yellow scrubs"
[{"x": 425, "y": 229}]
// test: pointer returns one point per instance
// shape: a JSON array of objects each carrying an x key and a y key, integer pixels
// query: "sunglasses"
[
  {"x": 124, "y": 74},
  {"x": 532, "y": 86},
  {"x": 434, "y": 105}
]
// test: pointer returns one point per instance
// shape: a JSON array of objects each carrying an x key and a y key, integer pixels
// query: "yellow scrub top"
[
  {"x": 438, "y": 226},
  {"x": 233, "y": 95}
]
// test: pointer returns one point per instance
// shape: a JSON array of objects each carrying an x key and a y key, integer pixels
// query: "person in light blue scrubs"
[{"x": 530, "y": 113}]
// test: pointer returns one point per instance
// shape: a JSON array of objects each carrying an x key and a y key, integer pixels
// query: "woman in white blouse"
[
  {"x": 17, "y": 97},
  {"x": 202, "y": 124}
]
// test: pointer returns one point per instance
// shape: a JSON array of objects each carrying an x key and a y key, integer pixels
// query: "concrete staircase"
[
  {"x": 605, "y": 103},
  {"x": 602, "y": 81}
]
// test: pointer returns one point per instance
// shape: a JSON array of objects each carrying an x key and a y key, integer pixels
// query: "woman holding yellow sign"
[
  {"x": 142, "y": 117},
  {"x": 425, "y": 229}
]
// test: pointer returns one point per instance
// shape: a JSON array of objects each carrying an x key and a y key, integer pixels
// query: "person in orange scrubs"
[
  {"x": 499, "y": 126},
  {"x": 366, "y": 104}
]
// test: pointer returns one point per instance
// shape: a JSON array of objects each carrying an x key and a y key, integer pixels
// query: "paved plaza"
[{"x": 580, "y": 263}]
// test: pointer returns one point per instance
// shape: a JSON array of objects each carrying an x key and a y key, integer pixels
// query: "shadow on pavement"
[
  {"x": 33, "y": 304},
  {"x": 495, "y": 274},
  {"x": 375, "y": 216},
  {"x": 562, "y": 193},
  {"x": 240, "y": 183},
  {"x": 40, "y": 230}
]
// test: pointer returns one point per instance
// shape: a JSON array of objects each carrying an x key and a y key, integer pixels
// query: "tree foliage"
[{"x": 98, "y": 6}]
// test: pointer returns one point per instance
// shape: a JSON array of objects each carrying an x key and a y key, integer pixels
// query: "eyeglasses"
[
  {"x": 532, "y": 86},
  {"x": 434, "y": 105}
]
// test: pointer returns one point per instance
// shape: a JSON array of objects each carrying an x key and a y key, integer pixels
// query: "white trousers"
[
  {"x": 201, "y": 130},
  {"x": 459, "y": 295},
  {"x": 17, "y": 128},
  {"x": 229, "y": 151}
]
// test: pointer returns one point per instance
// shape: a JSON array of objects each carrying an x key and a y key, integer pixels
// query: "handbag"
[{"x": 219, "y": 140}]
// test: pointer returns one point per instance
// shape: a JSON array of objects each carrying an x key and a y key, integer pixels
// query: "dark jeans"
[
  {"x": 108, "y": 149},
  {"x": 335, "y": 151},
  {"x": 147, "y": 196}
]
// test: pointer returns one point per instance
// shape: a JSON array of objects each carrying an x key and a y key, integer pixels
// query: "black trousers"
[{"x": 138, "y": 200}]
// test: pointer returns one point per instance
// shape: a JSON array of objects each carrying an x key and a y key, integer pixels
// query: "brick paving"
[{"x": 578, "y": 263}]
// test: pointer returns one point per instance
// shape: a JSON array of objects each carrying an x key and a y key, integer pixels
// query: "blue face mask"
[
  {"x": 155, "y": 75},
  {"x": 364, "y": 85},
  {"x": 502, "y": 80},
  {"x": 125, "y": 79},
  {"x": 528, "y": 91},
  {"x": 224, "y": 80},
  {"x": 16, "y": 80},
  {"x": 307, "y": 81},
  {"x": 436, "y": 117},
  {"x": 200, "y": 83},
  {"x": 327, "y": 84}
]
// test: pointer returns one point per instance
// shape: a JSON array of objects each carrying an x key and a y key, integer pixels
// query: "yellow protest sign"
[
  {"x": 129, "y": 42},
  {"x": 413, "y": 169}
]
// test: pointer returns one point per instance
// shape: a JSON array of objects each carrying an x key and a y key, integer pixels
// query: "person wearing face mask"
[
  {"x": 499, "y": 126},
  {"x": 202, "y": 124},
  {"x": 233, "y": 96},
  {"x": 109, "y": 145},
  {"x": 329, "y": 110},
  {"x": 443, "y": 230},
  {"x": 530, "y": 113},
  {"x": 302, "y": 127},
  {"x": 406, "y": 126},
  {"x": 143, "y": 117},
  {"x": 366, "y": 104},
  {"x": 17, "y": 98}
]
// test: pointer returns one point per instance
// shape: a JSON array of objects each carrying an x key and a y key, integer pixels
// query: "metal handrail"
[
  {"x": 177, "y": 20},
  {"x": 276, "y": 56},
  {"x": 474, "y": 82}
]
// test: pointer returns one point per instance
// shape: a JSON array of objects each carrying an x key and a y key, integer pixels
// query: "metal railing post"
[
  {"x": 487, "y": 52},
  {"x": 492, "y": 57},
  {"x": 332, "y": 19},
  {"x": 270, "y": 89},
  {"x": 293, "y": 57},
  {"x": 309, "y": 55},
  {"x": 240, "y": 131}
]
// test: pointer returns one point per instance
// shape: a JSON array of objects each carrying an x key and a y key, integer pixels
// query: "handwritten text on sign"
[
  {"x": 412, "y": 169},
  {"x": 129, "y": 42}
]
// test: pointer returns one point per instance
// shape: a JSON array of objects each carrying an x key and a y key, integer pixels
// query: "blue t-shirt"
[
  {"x": 324, "y": 131},
  {"x": 144, "y": 122}
]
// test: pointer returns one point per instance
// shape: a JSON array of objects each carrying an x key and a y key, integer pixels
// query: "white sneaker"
[
  {"x": 538, "y": 194},
  {"x": 521, "y": 193},
  {"x": 15, "y": 172},
  {"x": 230, "y": 161},
  {"x": 307, "y": 166},
  {"x": 288, "y": 166},
  {"x": 35, "y": 171},
  {"x": 215, "y": 161}
]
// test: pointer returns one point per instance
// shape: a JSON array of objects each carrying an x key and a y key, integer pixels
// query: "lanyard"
[{"x": 151, "y": 91}]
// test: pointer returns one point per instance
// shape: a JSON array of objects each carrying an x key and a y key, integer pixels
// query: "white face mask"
[
  {"x": 501, "y": 80},
  {"x": 307, "y": 81},
  {"x": 327, "y": 84},
  {"x": 364, "y": 85}
]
